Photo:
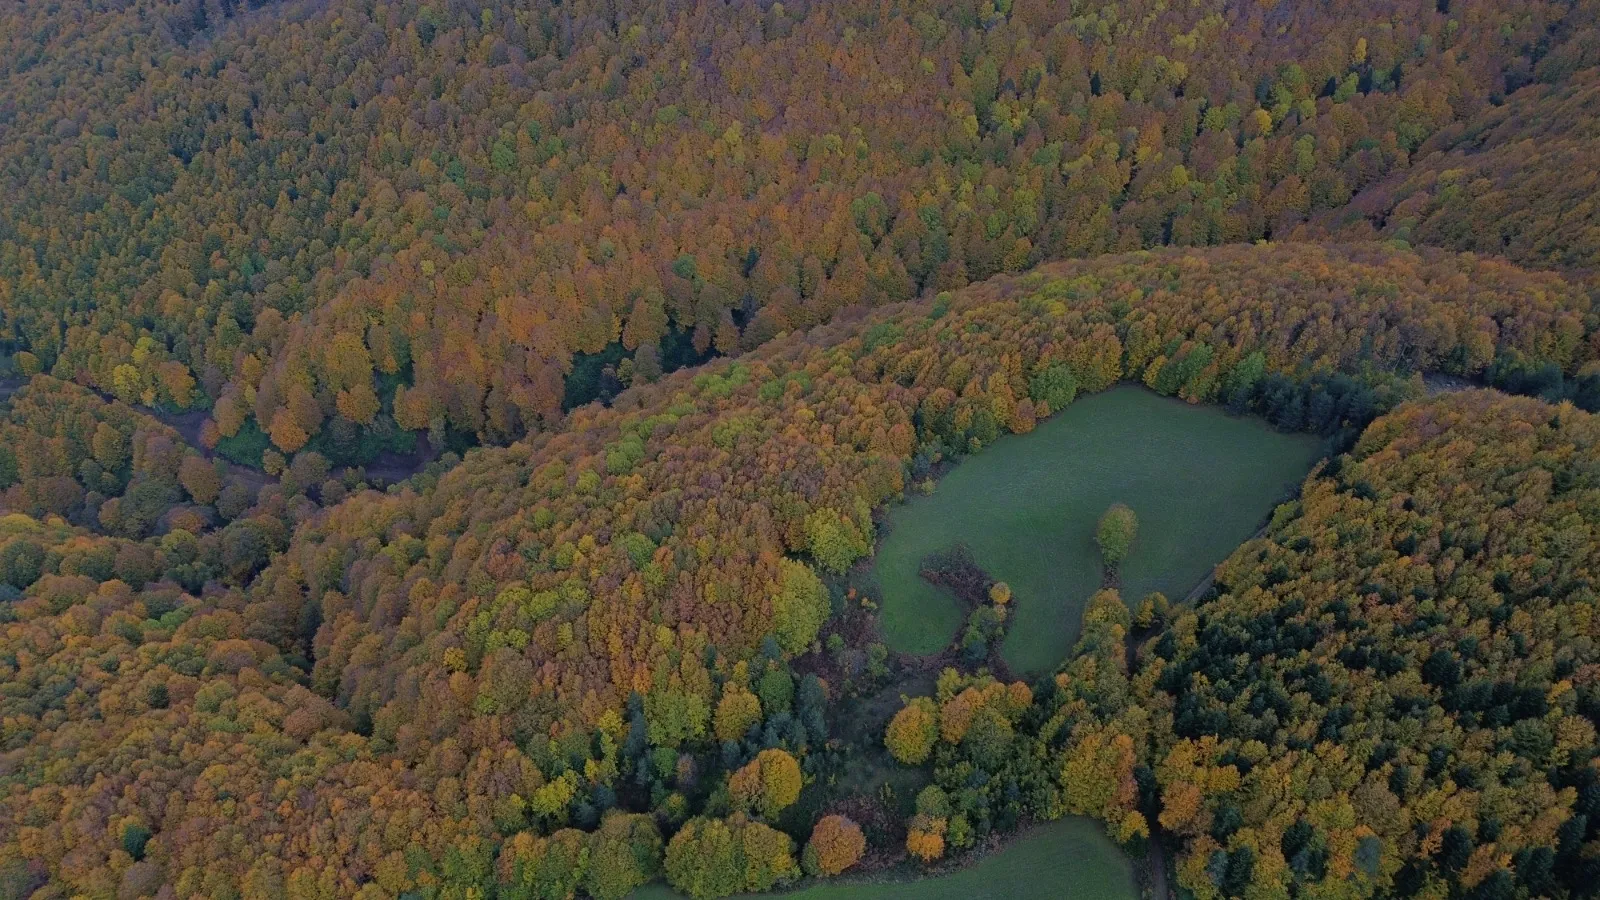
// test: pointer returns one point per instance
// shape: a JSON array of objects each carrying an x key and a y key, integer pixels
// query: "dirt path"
[
  {"x": 1155, "y": 865},
  {"x": 187, "y": 424}
]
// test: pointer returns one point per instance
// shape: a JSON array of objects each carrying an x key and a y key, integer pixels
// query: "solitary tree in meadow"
[{"x": 1115, "y": 534}]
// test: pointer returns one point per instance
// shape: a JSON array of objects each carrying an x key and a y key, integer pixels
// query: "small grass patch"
[
  {"x": 1071, "y": 859},
  {"x": 1199, "y": 480},
  {"x": 246, "y": 446}
]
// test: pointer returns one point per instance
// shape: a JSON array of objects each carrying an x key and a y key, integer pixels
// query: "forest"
[
  {"x": 494, "y": 661},
  {"x": 308, "y": 217},
  {"x": 445, "y": 445}
]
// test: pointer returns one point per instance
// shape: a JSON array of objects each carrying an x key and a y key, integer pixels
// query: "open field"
[{"x": 1201, "y": 482}]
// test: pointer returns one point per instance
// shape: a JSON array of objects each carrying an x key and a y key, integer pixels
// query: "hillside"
[
  {"x": 572, "y": 623},
  {"x": 1516, "y": 180},
  {"x": 318, "y": 219},
  {"x": 1428, "y": 598}
]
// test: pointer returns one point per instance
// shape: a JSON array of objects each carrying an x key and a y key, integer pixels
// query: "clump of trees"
[
  {"x": 768, "y": 784},
  {"x": 913, "y": 731},
  {"x": 989, "y": 601},
  {"x": 625, "y": 853},
  {"x": 711, "y": 858},
  {"x": 971, "y": 726}
]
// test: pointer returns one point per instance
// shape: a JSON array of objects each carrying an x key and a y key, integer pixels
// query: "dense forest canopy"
[
  {"x": 683, "y": 496},
  {"x": 343, "y": 215},
  {"x": 261, "y": 260},
  {"x": 1417, "y": 660},
  {"x": 1516, "y": 180}
]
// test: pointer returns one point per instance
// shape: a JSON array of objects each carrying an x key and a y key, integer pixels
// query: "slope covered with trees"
[
  {"x": 1399, "y": 673},
  {"x": 663, "y": 524},
  {"x": 1389, "y": 693},
  {"x": 464, "y": 681},
  {"x": 317, "y": 216},
  {"x": 1516, "y": 180}
]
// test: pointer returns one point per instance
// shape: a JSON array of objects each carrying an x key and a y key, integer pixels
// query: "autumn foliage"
[
  {"x": 925, "y": 839},
  {"x": 836, "y": 844},
  {"x": 711, "y": 858},
  {"x": 1461, "y": 606},
  {"x": 607, "y": 618},
  {"x": 324, "y": 222},
  {"x": 913, "y": 731},
  {"x": 1420, "y": 604},
  {"x": 768, "y": 784},
  {"x": 805, "y": 255},
  {"x": 1516, "y": 180}
]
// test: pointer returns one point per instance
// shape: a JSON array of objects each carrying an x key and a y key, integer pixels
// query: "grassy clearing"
[
  {"x": 1067, "y": 860},
  {"x": 1201, "y": 481}
]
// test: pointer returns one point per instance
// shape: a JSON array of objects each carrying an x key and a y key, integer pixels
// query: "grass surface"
[
  {"x": 1199, "y": 480},
  {"x": 1067, "y": 860}
]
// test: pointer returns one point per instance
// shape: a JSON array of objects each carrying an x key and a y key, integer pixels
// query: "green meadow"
[{"x": 1200, "y": 481}]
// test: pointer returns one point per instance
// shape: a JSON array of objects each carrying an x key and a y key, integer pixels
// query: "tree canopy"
[{"x": 1115, "y": 533}]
